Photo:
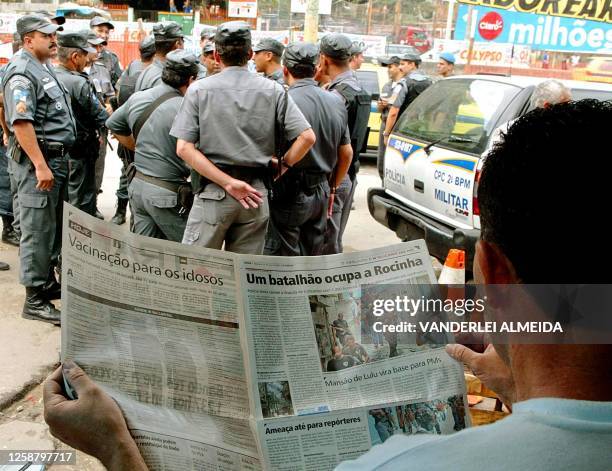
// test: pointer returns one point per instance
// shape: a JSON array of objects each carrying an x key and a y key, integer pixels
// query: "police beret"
[
  {"x": 76, "y": 40},
  {"x": 208, "y": 49},
  {"x": 92, "y": 38},
  {"x": 386, "y": 61},
  {"x": 356, "y": 49},
  {"x": 336, "y": 46},
  {"x": 167, "y": 30},
  {"x": 411, "y": 57},
  {"x": 181, "y": 61},
  {"x": 59, "y": 19},
  {"x": 448, "y": 57},
  {"x": 269, "y": 44},
  {"x": 301, "y": 53},
  {"x": 147, "y": 45},
  {"x": 99, "y": 21},
  {"x": 236, "y": 33},
  {"x": 28, "y": 23}
]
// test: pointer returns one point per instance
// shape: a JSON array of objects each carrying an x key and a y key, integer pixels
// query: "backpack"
[{"x": 358, "y": 106}]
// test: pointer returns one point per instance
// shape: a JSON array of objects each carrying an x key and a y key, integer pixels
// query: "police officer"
[
  {"x": 235, "y": 145},
  {"x": 335, "y": 55},
  {"x": 446, "y": 64},
  {"x": 389, "y": 89},
  {"x": 160, "y": 173},
  {"x": 127, "y": 83},
  {"x": 267, "y": 58},
  {"x": 90, "y": 117},
  {"x": 413, "y": 84},
  {"x": 207, "y": 37},
  {"x": 298, "y": 214},
  {"x": 102, "y": 81},
  {"x": 207, "y": 59},
  {"x": 168, "y": 37},
  {"x": 101, "y": 27},
  {"x": 356, "y": 57},
  {"x": 43, "y": 130}
]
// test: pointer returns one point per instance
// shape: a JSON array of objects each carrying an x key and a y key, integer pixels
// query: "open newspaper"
[{"x": 222, "y": 361}]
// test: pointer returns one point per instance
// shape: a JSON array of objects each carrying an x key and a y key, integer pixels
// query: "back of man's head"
[
  {"x": 550, "y": 92},
  {"x": 542, "y": 194}
]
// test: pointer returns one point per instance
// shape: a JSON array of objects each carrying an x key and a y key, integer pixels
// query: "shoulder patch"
[{"x": 19, "y": 82}]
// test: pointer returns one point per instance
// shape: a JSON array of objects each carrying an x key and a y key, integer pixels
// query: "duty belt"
[
  {"x": 158, "y": 182},
  {"x": 245, "y": 173},
  {"x": 306, "y": 179}
]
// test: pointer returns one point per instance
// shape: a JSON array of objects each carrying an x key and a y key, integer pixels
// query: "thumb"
[
  {"x": 77, "y": 378},
  {"x": 462, "y": 353}
]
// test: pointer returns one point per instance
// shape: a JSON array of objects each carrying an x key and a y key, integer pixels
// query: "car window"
[
  {"x": 459, "y": 113},
  {"x": 581, "y": 94}
]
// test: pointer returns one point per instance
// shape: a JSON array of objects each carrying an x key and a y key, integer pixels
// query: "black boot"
[
  {"x": 9, "y": 235},
  {"x": 4, "y": 266},
  {"x": 36, "y": 307},
  {"x": 119, "y": 217},
  {"x": 52, "y": 289}
]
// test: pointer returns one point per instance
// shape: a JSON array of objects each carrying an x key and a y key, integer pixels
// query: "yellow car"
[
  {"x": 372, "y": 77},
  {"x": 599, "y": 69}
]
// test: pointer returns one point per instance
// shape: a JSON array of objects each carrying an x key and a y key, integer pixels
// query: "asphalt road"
[{"x": 30, "y": 349}]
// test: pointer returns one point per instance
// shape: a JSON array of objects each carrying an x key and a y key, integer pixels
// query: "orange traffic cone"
[{"x": 453, "y": 272}]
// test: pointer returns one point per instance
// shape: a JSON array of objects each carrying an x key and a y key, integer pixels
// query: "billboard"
[
  {"x": 242, "y": 9},
  {"x": 299, "y": 6},
  {"x": 552, "y": 33}
]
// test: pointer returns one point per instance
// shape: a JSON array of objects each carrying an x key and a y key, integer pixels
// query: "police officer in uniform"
[
  {"x": 335, "y": 55},
  {"x": 101, "y": 27},
  {"x": 127, "y": 83},
  {"x": 207, "y": 60},
  {"x": 154, "y": 191},
  {"x": 267, "y": 58},
  {"x": 168, "y": 37},
  {"x": 102, "y": 81},
  {"x": 90, "y": 117},
  {"x": 389, "y": 89},
  {"x": 298, "y": 215},
  {"x": 413, "y": 84},
  {"x": 42, "y": 131},
  {"x": 231, "y": 118}
]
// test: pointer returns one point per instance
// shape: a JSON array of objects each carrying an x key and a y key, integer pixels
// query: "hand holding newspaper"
[{"x": 228, "y": 361}]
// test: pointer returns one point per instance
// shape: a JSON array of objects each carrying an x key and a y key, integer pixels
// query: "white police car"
[{"x": 435, "y": 152}]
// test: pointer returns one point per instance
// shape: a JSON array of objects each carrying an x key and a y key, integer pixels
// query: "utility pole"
[
  {"x": 369, "y": 30},
  {"x": 397, "y": 20},
  {"x": 311, "y": 21}
]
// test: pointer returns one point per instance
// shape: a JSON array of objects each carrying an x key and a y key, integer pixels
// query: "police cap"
[
  {"x": 147, "y": 45},
  {"x": 208, "y": 49},
  {"x": 58, "y": 19},
  {"x": 168, "y": 30},
  {"x": 29, "y": 23},
  {"x": 236, "y": 33},
  {"x": 356, "y": 49},
  {"x": 269, "y": 44},
  {"x": 301, "y": 53},
  {"x": 411, "y": 57},
  {"x": 387, "y": 61},
  {"x": 92, "y": 38},
  {"x": 207, "y": 33},
  {"x": 336, "y": 46},
  {"x": 182, "y": 62},
  {"x": 99, "y": 21},
  {"x": 76, "y": 40}
]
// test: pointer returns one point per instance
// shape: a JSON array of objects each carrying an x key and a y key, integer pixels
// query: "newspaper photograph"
[{"x": 214, "y": 356}]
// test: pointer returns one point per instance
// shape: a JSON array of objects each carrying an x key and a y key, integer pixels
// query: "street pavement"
[{"x": 30, "y": 349}]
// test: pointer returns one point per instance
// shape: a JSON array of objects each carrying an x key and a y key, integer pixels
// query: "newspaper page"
[
  {"x": 155, "y": 323},
  {"x": 315, "y": 362}
]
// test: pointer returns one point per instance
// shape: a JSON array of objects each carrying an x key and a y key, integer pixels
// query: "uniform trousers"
[
  {"x": 340, "y": 213},
  {"x": 101, "y": 160},
  {"x": 16, "y": 210},
  {"x": 298, "y": 227},
  {"x": 216, "y": 218},
  {"x": 6, "y": 196},
  {"x": 155, "y": 211},
  {"x": 41, "y": 220},
  {"x": 82, "y": 184}
]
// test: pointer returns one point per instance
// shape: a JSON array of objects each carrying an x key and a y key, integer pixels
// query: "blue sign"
[{"x": 545, "y": 32}]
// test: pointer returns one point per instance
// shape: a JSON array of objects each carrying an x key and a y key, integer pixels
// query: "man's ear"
[{"x": 492, "y": 267}]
